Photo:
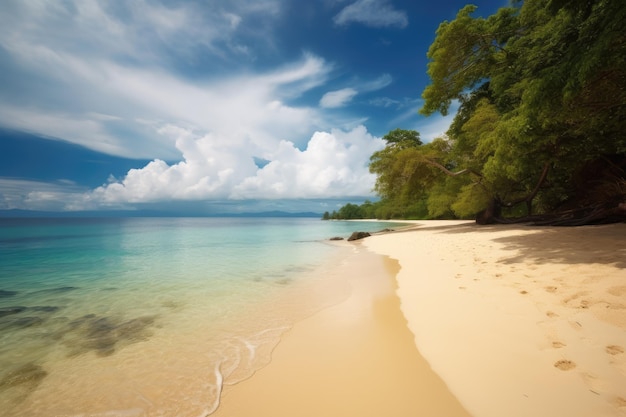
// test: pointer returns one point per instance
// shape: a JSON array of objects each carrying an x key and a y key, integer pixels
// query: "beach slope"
[
  {"x": 518, "y": 320},
  {"x": 355, "y": 358}
]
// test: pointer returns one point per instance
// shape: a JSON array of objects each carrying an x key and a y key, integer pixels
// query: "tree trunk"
[{"x": 490, "y": 214}]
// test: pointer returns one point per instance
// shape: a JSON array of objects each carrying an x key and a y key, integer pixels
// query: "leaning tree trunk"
[{"x": 490, "y": 214}]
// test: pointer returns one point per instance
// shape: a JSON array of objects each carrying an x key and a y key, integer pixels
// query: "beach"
[
  {"x": 355, "y": 358},
  {"x": 449, "y": 318}
]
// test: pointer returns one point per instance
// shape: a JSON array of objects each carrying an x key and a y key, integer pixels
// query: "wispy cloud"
[
  {"x": 377, "y": 84},
  {"x": 374, "y": 13},
  {"x": 338, "y": 98},
  {"x": 128, "y": 61},
  {"x": 37, "y": 195}
]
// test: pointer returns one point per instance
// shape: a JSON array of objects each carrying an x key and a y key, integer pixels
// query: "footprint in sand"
[
  {"x": 558, "y": 345},
  {"x": 617, "y": 291},
  {"x": 595, "y": 384},
  {"x": 575, "y": 325},
  {"x": 614, "y": 350},
  {"x": 551, "y": 314},
  {"x": 523, "y": 292},
  {"x": 551, "y": 288},
  {"x": 564, "y": 365},
  {"x": 620, "y": 402}
]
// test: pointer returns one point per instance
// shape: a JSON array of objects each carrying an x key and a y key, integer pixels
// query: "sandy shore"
[
  {"x": 356, "y": 358},
  {"x": 488, "y": 321},
  {"x": 518, "y": 320}
]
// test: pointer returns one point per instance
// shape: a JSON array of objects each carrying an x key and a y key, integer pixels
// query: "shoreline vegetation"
[
  {"x": 504, "y": 320},
  {"x": 539, "y": 90}
]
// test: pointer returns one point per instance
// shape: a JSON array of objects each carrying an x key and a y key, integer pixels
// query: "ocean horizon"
[{"x": 153, "y": 316}]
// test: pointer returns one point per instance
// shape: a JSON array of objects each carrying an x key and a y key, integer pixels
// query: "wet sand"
[{"x": 356, "y": 358}]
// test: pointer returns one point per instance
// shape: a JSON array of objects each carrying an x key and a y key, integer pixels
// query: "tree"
[
  {"x": 401, "y": 138},
  {"x": 540, "y": 127},
  {"x": 542, "y": 88}
]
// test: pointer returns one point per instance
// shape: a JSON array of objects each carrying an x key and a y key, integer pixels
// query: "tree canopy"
[{"x": 541, "y": 121}]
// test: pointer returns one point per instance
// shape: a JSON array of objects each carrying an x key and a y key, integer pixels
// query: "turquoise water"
[{"x": 152, "y": 316}]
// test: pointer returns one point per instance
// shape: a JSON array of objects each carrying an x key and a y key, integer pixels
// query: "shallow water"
[{"x": 151, "y": 316}]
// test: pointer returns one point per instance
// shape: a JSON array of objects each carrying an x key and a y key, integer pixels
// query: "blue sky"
[{"x": 208, "y": 106}]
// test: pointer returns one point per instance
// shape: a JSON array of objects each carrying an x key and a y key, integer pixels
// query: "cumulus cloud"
[
  {"x": 374, "y": 13},
  {"x": 339, "y": 98},
  {"x": 332, "y": 165}
]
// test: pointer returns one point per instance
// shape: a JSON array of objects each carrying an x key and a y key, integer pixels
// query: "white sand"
[{"x": 518, "y": 320}]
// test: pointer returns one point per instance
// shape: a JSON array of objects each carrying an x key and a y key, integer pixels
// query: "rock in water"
[{"x": 358, "y": 235}]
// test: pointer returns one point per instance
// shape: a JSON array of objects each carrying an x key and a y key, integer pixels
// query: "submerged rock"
[
  {"x": 104, "y": 335},
  {"x": 336, "y": 238},
  {"x": 7, "y": 294},
  {"x": 58, "y": 290},
  {"x": 358, "y": 235},
  {"x": 18, "y": 384},
  {"x": 45, "y": 309},
  {"x": 29, "y": 375},
  {"x": 7, "y": 311},
  {"x": 20, "y": 322}
]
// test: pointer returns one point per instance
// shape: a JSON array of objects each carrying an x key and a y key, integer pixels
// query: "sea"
[{"x": 129, "y": 317}]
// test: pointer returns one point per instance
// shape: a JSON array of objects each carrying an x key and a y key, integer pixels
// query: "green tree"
[
  {"x": 542, "y": 93},
  {"x": 349, "y": 212},
  {"x": 401, "y": 138},
  {"x": 542, "y": 88}
]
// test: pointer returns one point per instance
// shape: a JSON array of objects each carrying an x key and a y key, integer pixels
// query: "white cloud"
[
  {"x": 384, "y": 102},
  {"x": 97, "y": 76},
  {"x": 374, "y": 13},
  {"x": 37, "y": 195},
  {"x": 377, "y": 84},
  {"x": 332, "y": 165},
  {"x": 339, "y": 98},
  {"x": 235, "y": 106},
  {"x": 89, "y": 71}
]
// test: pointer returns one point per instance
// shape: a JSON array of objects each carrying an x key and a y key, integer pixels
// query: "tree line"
[{"x": 540, "y": 130}]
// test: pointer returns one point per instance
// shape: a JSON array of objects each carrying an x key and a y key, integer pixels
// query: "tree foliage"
[{"x": 541, "y": 126}]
